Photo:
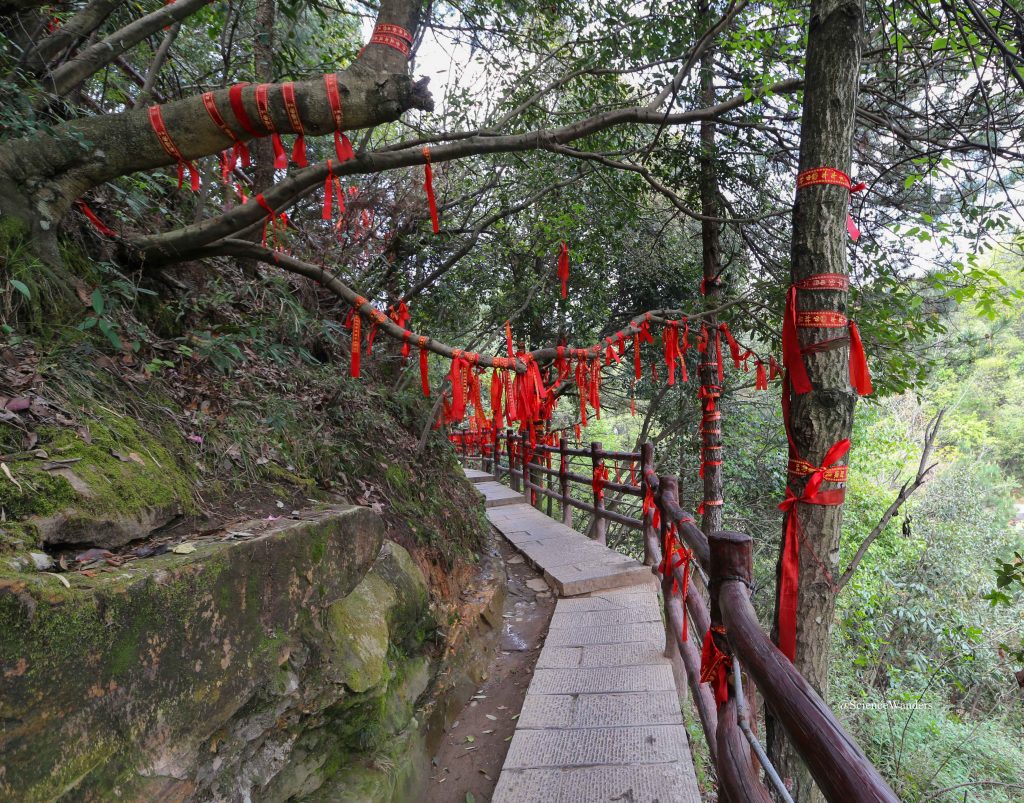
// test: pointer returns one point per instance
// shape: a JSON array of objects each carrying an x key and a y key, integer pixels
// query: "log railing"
[{"x": 717, "y": 599}]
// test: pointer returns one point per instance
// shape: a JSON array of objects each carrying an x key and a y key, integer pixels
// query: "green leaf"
[
  {"x": 22, "y": 288},
  {"x": 108, "y": 330},
  {"x": 88, "y": 323},
  {"x": 98, "y": 304}
]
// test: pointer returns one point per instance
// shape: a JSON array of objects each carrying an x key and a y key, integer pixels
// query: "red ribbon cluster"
[
  {"x": 675, "y": 556},
  {"x": 393, "y": 36},
  {"x": 715, "y": 665},
  {"x": 794, "y": 319},
  {"x": 812, "y": 495}
]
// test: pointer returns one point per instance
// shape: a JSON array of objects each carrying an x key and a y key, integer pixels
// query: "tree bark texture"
[{"x": 824, "y": 416}]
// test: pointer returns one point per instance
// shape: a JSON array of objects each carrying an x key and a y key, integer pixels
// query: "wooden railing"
[{"x": 717, "y": 598}]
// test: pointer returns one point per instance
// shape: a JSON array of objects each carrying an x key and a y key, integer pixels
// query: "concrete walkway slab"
[
  {"x": 476, "y": 475},
  {"x": 496, "y": 495},
  {"x": 601, "y": 720}
]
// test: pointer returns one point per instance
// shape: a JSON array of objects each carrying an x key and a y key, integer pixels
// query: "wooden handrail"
[{"x": 835, "y": 761}]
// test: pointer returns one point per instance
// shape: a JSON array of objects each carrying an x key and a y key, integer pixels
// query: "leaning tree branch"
[
  {"x": 97, "y": 56},
  {"x": 70, "y": 33},
  {"x": 923, "y": 470},
  {"x": 249, "y": 250},
  {"x": 43, "y": 174},
  {"x": 184, "y": 243}
]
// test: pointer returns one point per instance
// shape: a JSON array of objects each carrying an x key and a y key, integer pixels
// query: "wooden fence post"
[
  {"x": 600, "y": 522},
  {"x": 647, "y": 461},
  {"x": 496, "y": 454},
  {"x": 513, "y": 456},
  {"x": 732, "y": 559},
  {"x": 563, "y": 479}
]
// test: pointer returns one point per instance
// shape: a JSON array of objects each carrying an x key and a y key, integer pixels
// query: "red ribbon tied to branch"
[
  {"x": 428, "y": 186},
  {"x": 789, "y": 585},
  {"x": 563, "y": 269}
]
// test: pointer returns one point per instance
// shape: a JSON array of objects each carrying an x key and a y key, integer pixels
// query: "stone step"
[
  {"x": 475, "y": 475},
  {"x": 497, "y": 495}
]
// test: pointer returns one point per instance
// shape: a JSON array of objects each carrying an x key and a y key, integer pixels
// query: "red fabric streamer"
[
  {"x": 239, "y": 150},
  {"x": 508, "y": 339},
  {"x": 496, "y": 389},
  {"x": 860, "y": 377},
  {"x": 761, "y": 382},
  {"x": 790, "y": 575},
  {"x": 357, "y": 337},
  {"x": 295, "y": 120},
  {"x": 428, "y": 186},
  {"x": 714, "y": 666},
  {"x": 670, "y": 338},
  {"x": 734, "y": 347},
  {"x": 238, "y": 109},
  {"x": 97, "y": 224},
  {"x": 342, "y": 146},
  {"x": 718, "y": 356},
  {"x": 599, "y": 480},
  {"x": 156, "y": 120},
  {"x": 637, "y": 367},
  {"x": 263, "y": 108},
  {"x": 563, "y": 269},
  {"x": 393, "y": 36},
  {"x": 833, "y": 176},
  {"x": 424, "y": 378}
]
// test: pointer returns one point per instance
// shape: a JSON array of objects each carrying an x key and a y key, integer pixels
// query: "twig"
[{"x": 923, "y": 470}]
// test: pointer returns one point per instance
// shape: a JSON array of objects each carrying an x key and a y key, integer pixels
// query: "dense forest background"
[{"x": 158, "y": 338}]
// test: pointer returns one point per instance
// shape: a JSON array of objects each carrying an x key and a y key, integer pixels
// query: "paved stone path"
[{"x": 601, "y": 720}]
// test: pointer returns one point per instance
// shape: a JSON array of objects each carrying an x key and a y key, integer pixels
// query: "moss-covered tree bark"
[
  {"x": 42, "y": 175},
  {"x": 823, "y": 416}
]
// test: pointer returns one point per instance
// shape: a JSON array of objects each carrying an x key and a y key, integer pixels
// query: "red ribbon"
[
  {"x": 714, "y": 667},
  {"x": 761, "y": 382},
  {"x": 263, "y": 108},
  {"x": 342, "y": 146},
  {"x": 424, "y": 378},
  {"x": 670, "y": 337},
  {"x": 291, "y": 107},
  {"x": 793, "y": 319},
  {"x": 790, "y": 579},
  {"x": 156, "y": 120},
  {"x": 229, "y": 159},
  {"x": 357, "y": 337},
  {"x": 834, "y": 176},
  {"x": 98, "y": 224},
  {"x": 238, "y": 109},
  {"x": 563, "y": 269},
  {"x": 600, "y": 479},
  {"x": 393, "y": 36},
  {"x": 497, "y": 385},
  {"x": 428, "y": 186}
]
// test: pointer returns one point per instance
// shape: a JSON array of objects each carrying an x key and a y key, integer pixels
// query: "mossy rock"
[
  {"x": 131, "y": 675},
  {"x": 115, "y": 487}
]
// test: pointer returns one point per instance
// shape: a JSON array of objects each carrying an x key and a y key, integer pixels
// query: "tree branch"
[{"x": 923, "y": 469}]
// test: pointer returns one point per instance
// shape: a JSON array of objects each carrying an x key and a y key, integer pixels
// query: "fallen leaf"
[
  {"x": 9, "y": 475},
  {"x": 491, "y": 717},
  {"x": 93, "y": 554},
  {"x": 60, "y": 577},
  {"x": 470, "y": 738},
  {"x": 17, "y": 404},
  {"x": 183, "y": 549},
  {"x": 136, "y": 458}
]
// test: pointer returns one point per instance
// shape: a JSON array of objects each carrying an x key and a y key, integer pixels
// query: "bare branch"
[{"x": 909, "y": 487}]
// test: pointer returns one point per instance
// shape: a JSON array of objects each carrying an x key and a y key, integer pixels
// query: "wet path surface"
[{"x": 474, "y": 748}]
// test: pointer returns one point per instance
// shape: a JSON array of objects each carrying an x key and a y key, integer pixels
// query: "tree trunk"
[
  {"x": 711, "y": 248},
  {"x": 823, "y": 416}
]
